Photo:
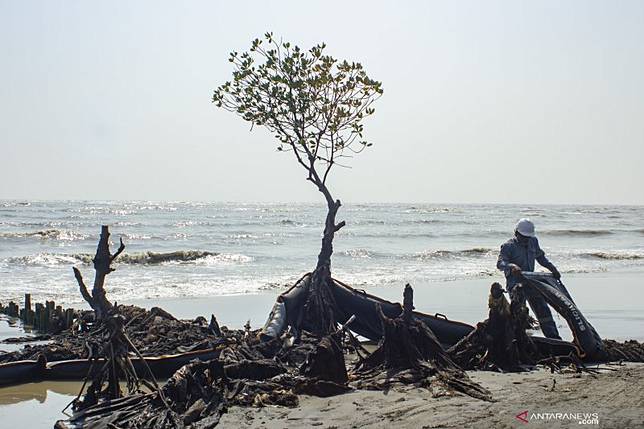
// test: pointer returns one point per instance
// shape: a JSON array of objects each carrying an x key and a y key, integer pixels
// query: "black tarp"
[{"x": 557, "y": 296}]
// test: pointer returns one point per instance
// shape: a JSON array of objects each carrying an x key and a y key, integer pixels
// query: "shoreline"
[
  {"x": 613, "y": 302},
  {"x": 405, "y": 407}
]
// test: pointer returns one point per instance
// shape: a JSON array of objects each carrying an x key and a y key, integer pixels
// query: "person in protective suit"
[{"x": 519, "y": 254}]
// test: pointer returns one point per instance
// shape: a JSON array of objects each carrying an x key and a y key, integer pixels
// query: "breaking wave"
[
  {"x": 46, "y": 234},
  {"x": 614, "y": 256},
  {"x": 417, "y": 209},
  {"x": 145, "y": 258},
  {"x": 154, "y": 258},
  {"x": 576, "y": 232},
  {"x": 359, "y": 253},
  {"x": 288, "y": 222},
  {"x": 444, "y": 254}
]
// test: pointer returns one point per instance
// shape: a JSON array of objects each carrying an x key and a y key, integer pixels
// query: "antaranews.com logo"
[{"x": 573, "y": 417}]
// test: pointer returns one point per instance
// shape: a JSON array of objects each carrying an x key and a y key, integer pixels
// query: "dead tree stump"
[
  {"x": 500, "y": 342},
  {"x": 409, "y": 352},
  {"x": 108, "y": 340},
  {"x": 102, "y": 265}
]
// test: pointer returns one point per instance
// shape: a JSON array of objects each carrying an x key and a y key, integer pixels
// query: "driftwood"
[
  {"x": 103, "y": 266},
  {"x": 628, "y": 351},
  {"x": 410, "y": 353},
  {"x": 108, "y": 339},
  {"x": 500, "y": 342},
  {"x": 247, "y": 372},
  {"x": 253, "y": 370},
  {"x": 153, "y": 332}
]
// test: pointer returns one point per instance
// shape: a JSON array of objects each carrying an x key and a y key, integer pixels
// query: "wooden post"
[
  {"x": 27, "y": 301},
  {"x": 28, "y": 318},
  {"x": 408, "y": 304},
  {"x": 69, "y": 318},
  {"x": 40, "y": 317},
  {"x": 14, "y": 310},
  {"x": 49, "y": 314}
]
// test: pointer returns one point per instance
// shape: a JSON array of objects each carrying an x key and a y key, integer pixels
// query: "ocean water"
[{"x": 189, "y": 249}]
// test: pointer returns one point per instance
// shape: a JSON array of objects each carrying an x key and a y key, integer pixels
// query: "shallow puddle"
[{"x": 36, "y": 405}]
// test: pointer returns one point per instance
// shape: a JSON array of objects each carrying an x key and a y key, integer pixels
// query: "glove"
[{"x": 556, "y": 273}]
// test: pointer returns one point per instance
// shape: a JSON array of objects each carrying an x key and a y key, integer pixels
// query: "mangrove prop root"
[
  {"x": 109, "y": 340},
  {"x": 326, "y": 362},
  {"x": 318, "y": 311},
  {"x": 500, "y": 342},
  {"x": 410, "y": 353},
  {"x": 630, "y": 351}
]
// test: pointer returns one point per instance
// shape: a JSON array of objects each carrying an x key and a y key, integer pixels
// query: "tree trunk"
[
  {"x": 318, "y": 314},
  {"x": 330, "y": 228}
]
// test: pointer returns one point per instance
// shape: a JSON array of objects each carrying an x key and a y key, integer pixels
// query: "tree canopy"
[{"x": 313, "y": 103}]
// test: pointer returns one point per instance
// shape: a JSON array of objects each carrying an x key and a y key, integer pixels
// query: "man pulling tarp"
[
  {"x": 517, "y": 261},
  {"x": 519, "y": 254}
]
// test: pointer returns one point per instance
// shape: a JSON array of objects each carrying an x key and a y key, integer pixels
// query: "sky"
[{"x": 484, "y": 102}]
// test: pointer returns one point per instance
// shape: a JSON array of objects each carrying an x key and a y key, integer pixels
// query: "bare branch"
[
  {"x": 119, "y": 251},
  {"x": 83, "y": 288}
]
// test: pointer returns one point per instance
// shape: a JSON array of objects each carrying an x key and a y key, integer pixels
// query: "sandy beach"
[{"x": 617, "y": 393}]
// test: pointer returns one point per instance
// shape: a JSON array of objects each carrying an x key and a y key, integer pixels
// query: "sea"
[{"x": 202, "y": 249}]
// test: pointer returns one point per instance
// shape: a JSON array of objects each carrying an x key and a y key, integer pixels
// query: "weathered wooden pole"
[
  {"x": 408, "y": 303},
  {"x": 29, "y": 314},
  {"x": 14, "y": 309},
  {"x": 69, "y": 318},
  {"x": 27, "y": 301}
]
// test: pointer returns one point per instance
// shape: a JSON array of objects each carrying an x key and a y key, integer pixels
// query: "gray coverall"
[{"x": 523, "y": 252}]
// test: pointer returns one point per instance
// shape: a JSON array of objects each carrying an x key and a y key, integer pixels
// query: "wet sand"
[
  {"x": 612, "y": 302},
  {"x": 617, "y": 396}
]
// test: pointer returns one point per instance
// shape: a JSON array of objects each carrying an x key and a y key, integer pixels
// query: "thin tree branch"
[
  {"x": 119, "y": 251},
  {"x": 83, "y": 288}
]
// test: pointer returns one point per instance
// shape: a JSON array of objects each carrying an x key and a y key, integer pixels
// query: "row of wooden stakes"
[{"x": 47, "y": 317}]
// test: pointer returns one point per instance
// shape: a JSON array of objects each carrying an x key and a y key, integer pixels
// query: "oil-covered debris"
[{"x": 154, "y": 332}]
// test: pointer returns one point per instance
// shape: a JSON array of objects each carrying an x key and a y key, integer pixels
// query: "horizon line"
[{"x": 30, "y": 200}]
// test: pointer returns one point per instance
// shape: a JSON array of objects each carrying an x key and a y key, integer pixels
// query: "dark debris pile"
[
  {"x": 248, "y": 372},
  {"x": 154, "y": 332},
  {"x": 628, "y": 351}
]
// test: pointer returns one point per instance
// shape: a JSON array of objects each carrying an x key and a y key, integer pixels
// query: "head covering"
[{"x": 525, "y": 227}]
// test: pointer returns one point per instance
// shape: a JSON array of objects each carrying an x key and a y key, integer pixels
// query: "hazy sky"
[{"x": 514, "y": 101}]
